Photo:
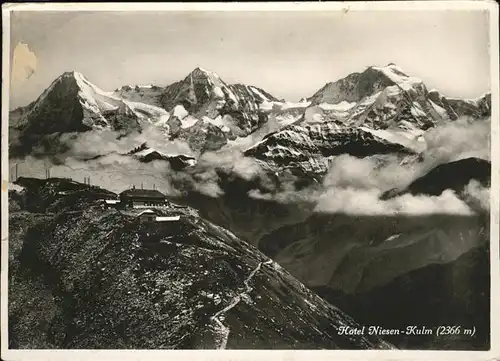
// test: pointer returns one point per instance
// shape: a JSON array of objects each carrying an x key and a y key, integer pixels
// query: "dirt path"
[{"x": 222, "y": 331}]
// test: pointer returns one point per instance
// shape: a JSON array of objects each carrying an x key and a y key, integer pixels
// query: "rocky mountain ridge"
[{"x": 104, "y": 278}]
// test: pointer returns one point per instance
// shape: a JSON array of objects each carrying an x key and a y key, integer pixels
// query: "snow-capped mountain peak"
[
  {"x": 204, "y": 95},
  {"x": 399, "y": 77},
  {"x": 202, "y": 72},
  {"x": 73, "y": 103},
  {"x": 394, "y": 67}
]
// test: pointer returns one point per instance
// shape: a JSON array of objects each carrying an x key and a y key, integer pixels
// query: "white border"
[
  {"x": 269, "y": 6},
  {"x": 233, "y": 355}
]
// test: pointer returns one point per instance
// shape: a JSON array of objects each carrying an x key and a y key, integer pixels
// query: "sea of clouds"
[{"x": 352, "y": 185}]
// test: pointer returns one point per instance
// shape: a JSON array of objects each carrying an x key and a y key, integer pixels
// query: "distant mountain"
[
  {"x": 355, "y": 254},
  {"x": 453, "y": 175},
  {"x": 149, "y": 94},
  {"x": 204, "y": 93},
  {"x": 384, "y": 97},
  {"x": 73, "y": 104},
  {"x": 352, "y": 88},
  {"x": 201, "y": 109},
  {"x": 145, "y": 154},
  {"x": 308, "y": 147},
  {"x": 204, "y": 101},
  {"x": 382, "y": 104},
  {"x": 454, "y": 107}
]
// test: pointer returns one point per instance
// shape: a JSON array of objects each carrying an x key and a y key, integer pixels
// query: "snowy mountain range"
[{"x": 380, "y": 110}]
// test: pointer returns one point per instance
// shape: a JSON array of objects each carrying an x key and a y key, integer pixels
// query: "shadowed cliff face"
[{"x": 87, "y": 276}]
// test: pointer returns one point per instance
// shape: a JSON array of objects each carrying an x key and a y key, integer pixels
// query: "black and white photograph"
[{"x": 220, "y": 179}]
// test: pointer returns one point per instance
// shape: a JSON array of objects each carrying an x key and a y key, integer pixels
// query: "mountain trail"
[{"x": 222, "y": 330}]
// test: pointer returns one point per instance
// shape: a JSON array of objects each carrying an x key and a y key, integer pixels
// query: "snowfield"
[{"x": 397, "y": 75}]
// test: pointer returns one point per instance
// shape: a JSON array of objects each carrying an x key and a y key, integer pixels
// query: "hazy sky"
[{"x": 289, "y": 54}]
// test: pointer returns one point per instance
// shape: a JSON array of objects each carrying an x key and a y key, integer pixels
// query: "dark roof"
[{"x": 142, "y": 193}]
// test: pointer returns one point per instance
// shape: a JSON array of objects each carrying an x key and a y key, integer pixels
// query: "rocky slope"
[
  {"x": 308, "y": 147},
  {"x": 89, "y": 276}
]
